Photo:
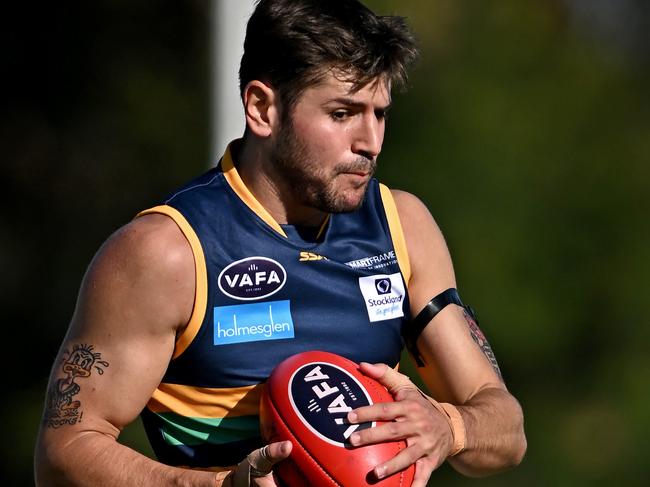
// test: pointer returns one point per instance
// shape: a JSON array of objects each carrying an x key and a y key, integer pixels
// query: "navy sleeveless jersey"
[{"x": 262, "y": 295}]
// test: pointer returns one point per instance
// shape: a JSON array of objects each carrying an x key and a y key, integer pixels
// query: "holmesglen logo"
[
  {"x": 254, "y": 322},
  {"x": 252, "y": 278}
]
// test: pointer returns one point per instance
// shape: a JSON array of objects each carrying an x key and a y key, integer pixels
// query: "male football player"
[{"x": 288, "y": 245}]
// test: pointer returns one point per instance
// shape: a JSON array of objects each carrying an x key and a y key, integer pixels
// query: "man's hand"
[
  {"x": 412, "y": 418},
  {"x": 257, "y": 468}
]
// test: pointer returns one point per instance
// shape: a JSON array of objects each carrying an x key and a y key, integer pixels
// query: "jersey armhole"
[
  {"x": 396, "y": 232},
  {"x": 201, "y": 290}
]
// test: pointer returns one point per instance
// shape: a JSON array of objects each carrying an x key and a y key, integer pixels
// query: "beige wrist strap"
[
  {"x": 457, "y": 427},
  {"x": 455, "y": 421}
]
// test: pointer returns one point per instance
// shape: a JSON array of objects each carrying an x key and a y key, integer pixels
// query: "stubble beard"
[{"x": 309, "y": 183}]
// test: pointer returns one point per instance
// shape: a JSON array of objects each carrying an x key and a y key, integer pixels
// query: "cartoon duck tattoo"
[{"x": 61, "y": 408}]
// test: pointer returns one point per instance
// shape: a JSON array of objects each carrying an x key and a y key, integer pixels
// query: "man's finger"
[
  {"x": 259, "y": 463},
  {"x": 387, "y": 376},
  {"x": 275, "y": 452},
  {"x": 383, "y": 411},
  {"x": 401, "y": 461},
  {"x": 391, "y": 431},
  {"x": 422, "y": 473}
]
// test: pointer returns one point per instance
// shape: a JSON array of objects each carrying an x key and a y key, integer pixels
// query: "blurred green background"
[{"x": 526, "y": 130}]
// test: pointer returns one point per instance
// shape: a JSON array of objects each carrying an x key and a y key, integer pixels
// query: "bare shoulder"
[
  {"x": 432, "y": 269},
  {"x": 416, "y": 219},
  {"x": 153, "y": 238},
  {"x": 147, "y": 265},
  {"x": 409, "y": 205}
]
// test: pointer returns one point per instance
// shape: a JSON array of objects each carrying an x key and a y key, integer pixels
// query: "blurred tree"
[
  {"x": 106, "y": 113},
  {"x": 527, "y": 133}
]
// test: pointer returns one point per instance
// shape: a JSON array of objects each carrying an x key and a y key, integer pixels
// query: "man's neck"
[{"x": 271, "y": 188}]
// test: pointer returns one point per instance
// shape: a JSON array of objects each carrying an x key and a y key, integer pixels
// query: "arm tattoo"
[
  {"x": 482, "y": 342},
  {"x": 60, "y": 408}
]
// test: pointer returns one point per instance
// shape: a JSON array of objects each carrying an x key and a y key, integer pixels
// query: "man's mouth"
[{"x": 361, "y": 174}]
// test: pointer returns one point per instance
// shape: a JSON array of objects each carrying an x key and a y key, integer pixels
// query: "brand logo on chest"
[
  {"x": 252, "y": 278},
  {"x": 383, "y": 295}
]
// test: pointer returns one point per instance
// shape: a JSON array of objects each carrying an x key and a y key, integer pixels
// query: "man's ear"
[{"x": 261, "y": 108}]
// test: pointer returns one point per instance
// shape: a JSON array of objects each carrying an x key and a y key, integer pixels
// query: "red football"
[{"x": 306, "y": 401}]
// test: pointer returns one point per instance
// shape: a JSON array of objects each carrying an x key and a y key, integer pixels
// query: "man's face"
[{"x": 327, "y": 149}]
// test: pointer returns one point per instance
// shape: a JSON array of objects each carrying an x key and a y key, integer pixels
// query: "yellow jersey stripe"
[
  {"x": 323, "y": 226},
  {"x": 206, "y": 402},
  {"x": 396, "y": 232},
  {"x": 201, "y": 292},
  {"x": 238, "y": 186}
]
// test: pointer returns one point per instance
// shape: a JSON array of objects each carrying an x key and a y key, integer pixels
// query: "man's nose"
[{"x": 369, "y": 137}]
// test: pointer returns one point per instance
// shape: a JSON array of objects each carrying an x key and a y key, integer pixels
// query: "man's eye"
[
  {"x": 339, "y": 114},
  {"x": 381, "y": 115}
]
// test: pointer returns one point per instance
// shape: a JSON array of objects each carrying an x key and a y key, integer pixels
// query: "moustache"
[{"x": 361, "y": 164}]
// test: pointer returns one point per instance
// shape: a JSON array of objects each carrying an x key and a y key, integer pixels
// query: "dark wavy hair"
[{"x": 293, "y": 44}]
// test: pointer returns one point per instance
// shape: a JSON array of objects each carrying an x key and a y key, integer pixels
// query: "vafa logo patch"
[
  {"x": 322, "y": 394},
  {"x": 252, "y": 278}
]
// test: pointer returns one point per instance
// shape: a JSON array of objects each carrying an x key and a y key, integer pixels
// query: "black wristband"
[{"x": 413, "y": 329}]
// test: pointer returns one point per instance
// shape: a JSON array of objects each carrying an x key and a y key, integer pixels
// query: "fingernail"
[
  {"x": 352, "y": 417},
  {"x": 354, "y": 438},
  {"x": 285, "y": 447},
  {"x": 380, "y": 472}
]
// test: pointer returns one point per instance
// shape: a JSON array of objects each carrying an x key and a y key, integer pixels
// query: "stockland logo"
[
  {"x": 252, "y": 278},
  {"x": 253, "y": 322},
  {"x": 383, "y": 285},
  {"x": 383, "y": 295}
]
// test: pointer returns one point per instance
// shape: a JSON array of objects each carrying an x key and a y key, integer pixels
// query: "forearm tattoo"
[
  {"x": 60, "y": 407},
  {"x": 482, "y": 342}
]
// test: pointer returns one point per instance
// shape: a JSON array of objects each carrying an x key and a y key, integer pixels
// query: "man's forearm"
[
  {"x": 93, "y": 459},
  {"x": 495, "y": 438}
]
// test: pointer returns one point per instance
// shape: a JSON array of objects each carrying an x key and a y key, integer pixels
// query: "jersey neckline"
[{"x": 236, "y": 183}]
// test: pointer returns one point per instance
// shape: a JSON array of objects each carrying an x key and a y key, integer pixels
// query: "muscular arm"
[
  {"x": 459, "y": 365},
  {"x": 137, "y": 294}
]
